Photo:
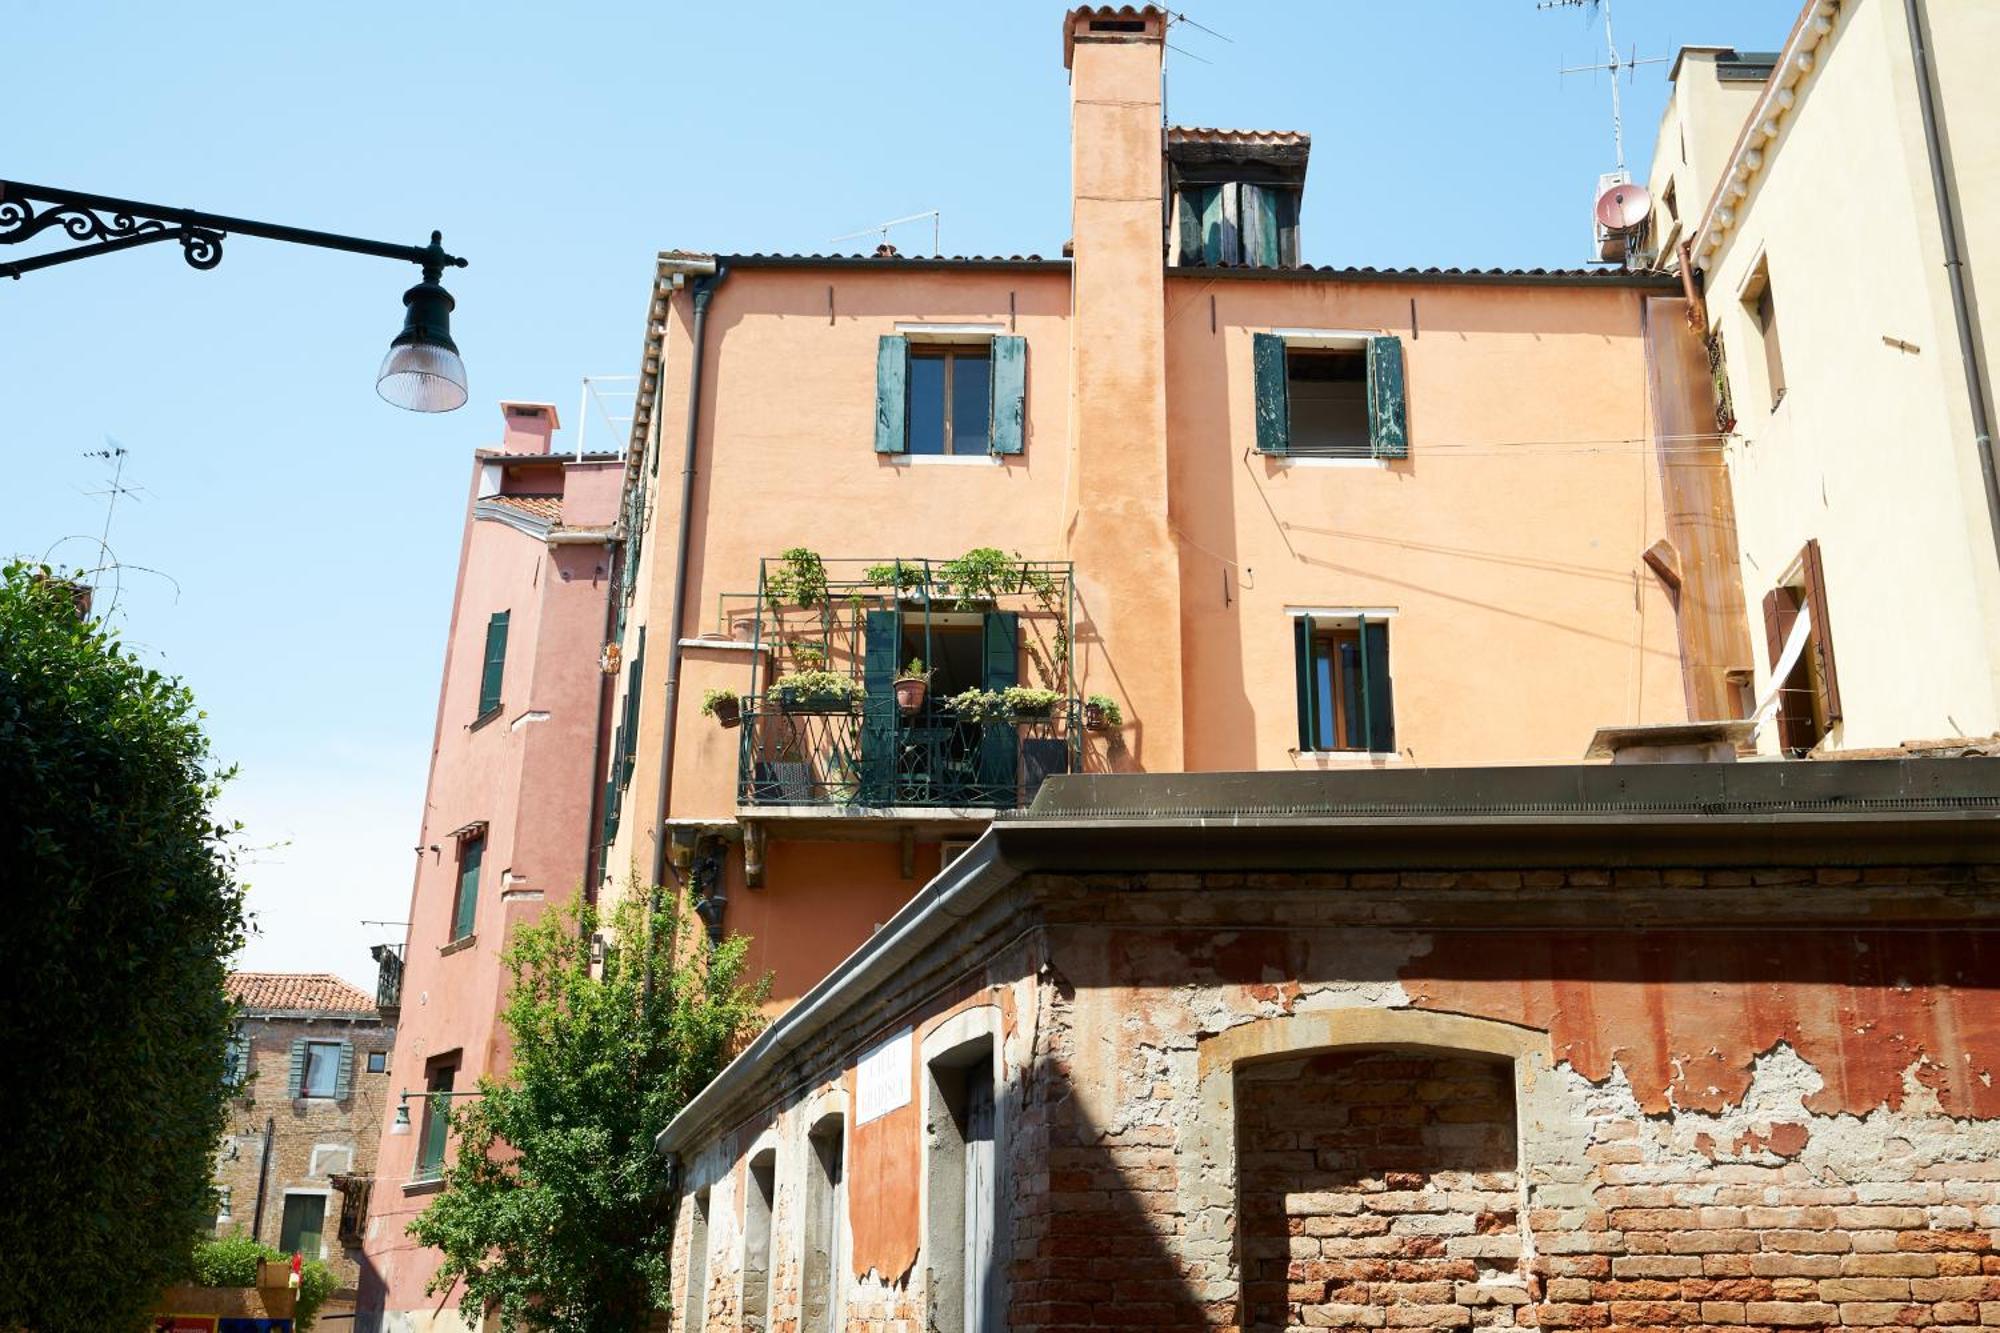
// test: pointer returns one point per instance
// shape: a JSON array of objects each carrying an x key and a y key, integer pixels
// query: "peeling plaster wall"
[{"x": 1767, "y": 1126}]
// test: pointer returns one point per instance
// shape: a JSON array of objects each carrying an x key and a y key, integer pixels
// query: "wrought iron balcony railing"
[{"x": 879, "y": 757}]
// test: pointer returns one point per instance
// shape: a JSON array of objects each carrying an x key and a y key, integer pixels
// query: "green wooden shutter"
[
  {"x": 1010, "y": 393},
  {"x": 880, "y": 639},
  {"x": 1388, "y": 430},
  {"x": 1211, "y": 225},
  {"x": 344, "y": 1079},
  {"x": 466, "y": 909},
  {"x": 496, "y": 662},
  {"x": 1188, "y": 205},
  {"x": 1274, "y": 411},
  {"x": 1001, "y": 667},
  {"x": 1259, "y": 226},
  {"x": 635, "y": 681},
  {"x": 892, "y": 372},
  {"x": 297, "y": 1080},
  {"x": 1302, "y": 665},
  {"x": 1381, "y": 706}
]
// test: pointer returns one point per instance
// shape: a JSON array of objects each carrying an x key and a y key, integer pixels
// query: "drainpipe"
[
  {"x": 263, "y": 1179},
  {"x": 704, "y": 286},
  {"x": 607, "y": 685},
  {"x": 1954, "y": 264}
]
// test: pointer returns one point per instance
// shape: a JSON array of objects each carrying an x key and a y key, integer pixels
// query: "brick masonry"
[
  {"x": 311, "y": 1138},
  {"x": 1771, "y": 1108}
]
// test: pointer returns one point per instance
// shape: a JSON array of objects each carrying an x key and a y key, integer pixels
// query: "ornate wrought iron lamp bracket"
[{"x": 102, "y": 225}]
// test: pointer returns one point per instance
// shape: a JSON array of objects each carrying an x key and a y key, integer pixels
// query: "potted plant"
[
  {"x": 906, "y": 580},
  {"x": 912, "y": 686},
  {"x": 982, "y": 574},
  {"x": 977, "y": 706},
  {"x": 722, "y": 705},
  {"x": 799, "y": 580},
  {"x": 1101, "y": 713},
  {"x": 815, "y": 692},
  {"x": 1028, "y": 703}
]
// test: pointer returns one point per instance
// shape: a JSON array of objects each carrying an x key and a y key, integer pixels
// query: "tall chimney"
[
  {"x": 530, "y": 427},
  {"x": 1127, "y": 568}
]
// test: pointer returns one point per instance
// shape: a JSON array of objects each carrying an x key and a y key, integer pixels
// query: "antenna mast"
[
  {"x": 1615, "y": 63},
  {"x": 882, "y": 228}
]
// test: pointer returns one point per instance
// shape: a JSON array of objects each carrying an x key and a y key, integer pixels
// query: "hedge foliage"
[{"x": 121, "y": 911}]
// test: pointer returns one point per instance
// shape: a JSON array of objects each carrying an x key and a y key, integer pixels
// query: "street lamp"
[
  {"x": 401, "y": 1124},
  {"x": 422, "y": 371}
]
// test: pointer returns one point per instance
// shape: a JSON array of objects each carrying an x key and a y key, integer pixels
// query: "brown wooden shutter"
[
  {"x": 1795, "y": 722},
  {"x": 1822, "y": 628}
]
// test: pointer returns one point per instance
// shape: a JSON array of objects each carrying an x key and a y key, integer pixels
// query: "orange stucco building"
[{"x": 1282, "y": 516}]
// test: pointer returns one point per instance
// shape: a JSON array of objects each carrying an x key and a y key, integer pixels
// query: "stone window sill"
[
  {"x": 431, "y": 1186},
  {"x": 485, "y": 717},
  {"x": 459, "y": 945}
]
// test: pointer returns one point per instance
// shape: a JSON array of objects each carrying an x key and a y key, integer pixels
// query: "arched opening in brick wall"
[{"x": 1371, "y": 1180}]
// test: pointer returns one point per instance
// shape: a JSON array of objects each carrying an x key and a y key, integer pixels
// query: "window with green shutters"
[
  {"x": 322, "y": 1069},
  {"x": 495, "y": 668},
  {"x": 951, "y": 398},
  {"x": 1330, "y": 397},
  {"x": 437, "y": 1123},
  {"x": 1238, "y": 223},
  {"x": 304, "y": 1225},
  {"x": 465, "y": 908},
  {"x": 1345, "y": 696}
]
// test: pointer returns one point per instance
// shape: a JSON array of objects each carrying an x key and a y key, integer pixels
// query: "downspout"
[
  {"x": 1954, "y": 264},
  {"x": 607, "y": 685},
  {"x": 263, "y": 1179},
  {"x": 704, "y": 287}
]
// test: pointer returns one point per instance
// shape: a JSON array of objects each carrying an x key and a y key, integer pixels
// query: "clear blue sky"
[{"x": 311, "y": 532}]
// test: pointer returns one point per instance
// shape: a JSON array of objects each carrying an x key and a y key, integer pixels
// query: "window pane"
[
  {"x": 926, "y": 404},
  {"x": 377, "y": 1061},
  {"x": 971, "y": 403},
  {"x": 1325, "y": 705},
  {"x": 322, "y": 1068},
  {"x": 305, "y": 1218}
]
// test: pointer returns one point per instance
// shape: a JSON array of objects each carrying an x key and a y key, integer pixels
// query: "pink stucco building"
[{"x": 509, "y": 811}]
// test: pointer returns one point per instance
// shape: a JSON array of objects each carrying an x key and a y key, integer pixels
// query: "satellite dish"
[{"x": 1623, "y": 207}]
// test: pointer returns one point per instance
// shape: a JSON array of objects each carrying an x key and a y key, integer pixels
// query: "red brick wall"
[{"x": 1378, "y": 1182}]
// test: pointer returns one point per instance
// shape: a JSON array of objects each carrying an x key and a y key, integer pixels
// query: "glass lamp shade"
[
  {"x": 422, "y": 371},
  {"x": 401, "y": 1124},
  {"x": 422, "y": 378}
]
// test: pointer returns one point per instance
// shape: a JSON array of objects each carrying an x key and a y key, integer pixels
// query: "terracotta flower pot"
[
  {"x": 729, "y": 712},
  {"x": 910, "y": 692}
]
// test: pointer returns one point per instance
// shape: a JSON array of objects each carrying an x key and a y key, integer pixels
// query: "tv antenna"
[
  {"x": 114, "y": 454},
  {"x": 1174, "y": 16},
  {"x": 1615, "y": 64},
  {"x": 881, "y": 229}
]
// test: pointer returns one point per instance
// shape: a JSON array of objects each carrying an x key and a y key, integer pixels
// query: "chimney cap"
[
  {"x": 511, "y": 408},
  {"x": 1107, "y": 23}
]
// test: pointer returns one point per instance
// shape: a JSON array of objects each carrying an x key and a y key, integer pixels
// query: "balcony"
[{"x": 906, "y": 688}]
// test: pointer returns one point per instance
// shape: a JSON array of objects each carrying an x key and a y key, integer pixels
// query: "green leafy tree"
[
  {"x": 557, "y": 1212},
  {"x": 122, "y": 910}
]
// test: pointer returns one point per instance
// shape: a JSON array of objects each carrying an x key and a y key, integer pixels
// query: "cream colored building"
[{"x": 1862, "y": 485}]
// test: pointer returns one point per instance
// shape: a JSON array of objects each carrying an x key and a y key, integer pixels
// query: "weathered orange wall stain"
[{"x": 1685, "y": 1013}]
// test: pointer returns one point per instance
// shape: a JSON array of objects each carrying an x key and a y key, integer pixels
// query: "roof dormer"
[{"x": 1235, "y": 196}]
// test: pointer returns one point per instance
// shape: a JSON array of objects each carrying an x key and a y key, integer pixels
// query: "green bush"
[
  {"x": 123, "y": 909},
  {"x": 232, "y": 1261}
]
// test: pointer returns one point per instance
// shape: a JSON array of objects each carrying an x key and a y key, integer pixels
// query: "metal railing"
[{"x": 876, "y": 757}]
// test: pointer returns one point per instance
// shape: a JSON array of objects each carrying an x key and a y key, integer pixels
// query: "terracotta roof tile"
[
  {"x": 1262, "y": 138},
  {"x": 547, "y": 508},
  {"x": 297, "y": 991}
]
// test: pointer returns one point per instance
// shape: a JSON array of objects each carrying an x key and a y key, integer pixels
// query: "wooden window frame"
[
  {"x": 949, "y": 353},
  {"x": 464, "y": 912},
  {"x": 1335, "y": 625},
  {"x": 305, "y": 1072},
  {"x": 1760, "y": 304}
]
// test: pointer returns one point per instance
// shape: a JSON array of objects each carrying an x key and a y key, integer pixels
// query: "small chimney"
[
  {"x": 530, "y": 427},
  {"x": 886, "y": 251}
]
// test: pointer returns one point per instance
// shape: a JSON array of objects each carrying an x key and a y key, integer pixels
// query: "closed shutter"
[
  {"x": 1187, "y": 205},
  {"x": 1212, "y": 226},
  {"x": 297, "y": 1080},
  {"x": 892, "y": 372},
  {"x": 1795, "y": 721},
  {"x": 1822, "y": 630},
  {"x": 1381, "y": 706},
  {"x": 1302, "y": 660},
  {"x": 236, "y": 1063},
  {"x": 471, "y": 853},
  {"x": 635, "y": 681},
  {"x": 1388, "y": 431},
  {"x": 1260, "y": 227},
  {"x": 496, "y": 663},
  {"x": 997, "y": 740},
  {"x": 880, "y": 638},
  {"x": 1267, "y": 359},
  {"x": 1010, "y": 394},
  {"x": 344, "y": 1079}
]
